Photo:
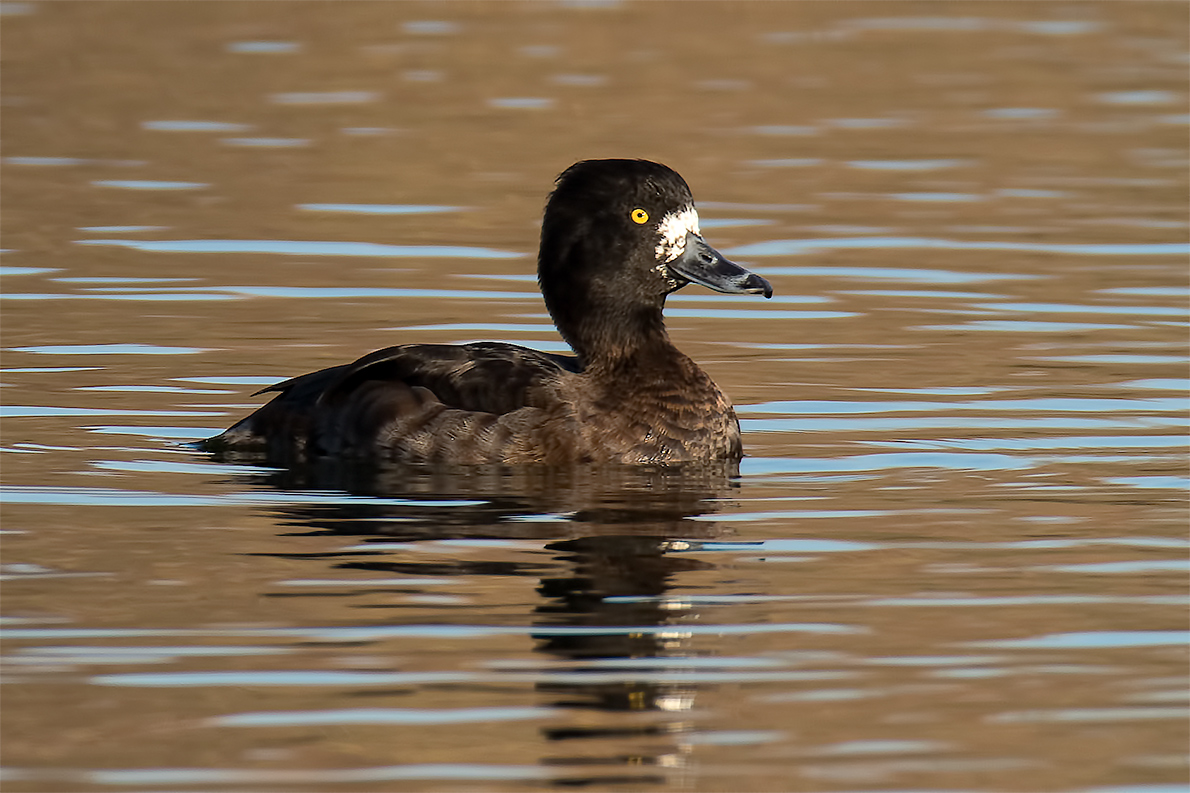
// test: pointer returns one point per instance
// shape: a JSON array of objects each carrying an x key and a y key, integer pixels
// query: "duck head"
[{"x": 617, "y": 237}]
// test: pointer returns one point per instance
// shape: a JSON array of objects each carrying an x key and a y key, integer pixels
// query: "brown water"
[{"x": 955, "y": 558}]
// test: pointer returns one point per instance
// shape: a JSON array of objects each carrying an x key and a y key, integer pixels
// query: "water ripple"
[
  {"x": 306, "y": 248},
  {"x": 325, "y": 97},
  {"x": 278, "y": 677},
  {"x": 1030, "y": 444},
  {"x": 170, "y": 777},
  {"x": 110, "y": 349},
  {"x": 1087, "y": 308},
  {"x": 406, "y": 716},
  {"x": 99, "y": 496},
  {"x": 265, "y": 47},
  {"x": 149, "y": 184},
  {"x": 33, "y": 411},
  {"x": 1111, "y": 715},
  {"x": 907, "y": 423},
  {"x": 380, "y": 209},
  {"x": 904, "y": 165},
  {"x": 1093, "y": 640},
  {"x": 194, "y": 126},
  {"x": 753, "y": 466},
  {"x": 1051, "y": 404},
  {"x": 796, "y": 247},
  {"x": 363, "y": 633}
]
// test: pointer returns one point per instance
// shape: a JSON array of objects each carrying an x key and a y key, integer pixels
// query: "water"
[{"x": 954, "y": 559}]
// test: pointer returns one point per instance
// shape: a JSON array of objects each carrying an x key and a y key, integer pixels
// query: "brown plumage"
[{"x": 617, "y": 237}]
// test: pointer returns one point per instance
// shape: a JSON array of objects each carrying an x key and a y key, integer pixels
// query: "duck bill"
[{"x": 701, "y": 264}]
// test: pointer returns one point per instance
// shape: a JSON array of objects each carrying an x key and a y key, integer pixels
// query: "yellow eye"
[{"x": 640, "y": 216}]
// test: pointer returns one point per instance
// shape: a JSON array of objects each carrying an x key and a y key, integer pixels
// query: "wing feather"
[{"x": 466, "y": 403}]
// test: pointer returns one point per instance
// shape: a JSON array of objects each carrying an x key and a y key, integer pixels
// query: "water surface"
[{"x": 954, "y": 559}]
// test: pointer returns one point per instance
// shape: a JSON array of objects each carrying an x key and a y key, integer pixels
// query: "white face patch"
[{"x": 673, "y": 229}]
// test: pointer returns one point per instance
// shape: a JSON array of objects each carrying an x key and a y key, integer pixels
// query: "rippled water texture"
[{"x": 955, "y": 558}]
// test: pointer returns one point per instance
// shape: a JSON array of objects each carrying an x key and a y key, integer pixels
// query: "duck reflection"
[
  {"x": 613, "y": 533},
  {"x": 616, "y": 580},
  {"x": 510, "y": 502}
]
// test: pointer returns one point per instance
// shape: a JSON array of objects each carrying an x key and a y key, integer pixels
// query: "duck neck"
[
  {"x": 624, "y": 337},
  {"x": 604, "y": 298}
]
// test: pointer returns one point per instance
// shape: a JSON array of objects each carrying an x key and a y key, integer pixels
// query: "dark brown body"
[{"x": 522, "y": 406}]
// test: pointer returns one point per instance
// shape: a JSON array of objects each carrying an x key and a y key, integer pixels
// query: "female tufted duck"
[{"x": 617, "y": 237}]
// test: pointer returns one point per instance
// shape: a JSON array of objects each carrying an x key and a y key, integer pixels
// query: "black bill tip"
[{"x": 755, "y": 285}]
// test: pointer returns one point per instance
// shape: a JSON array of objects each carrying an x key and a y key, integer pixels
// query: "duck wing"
[
  {"x": 488, "y": 377},
  {"x": 470, "y": 403}
]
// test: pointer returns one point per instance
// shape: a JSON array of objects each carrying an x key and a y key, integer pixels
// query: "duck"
[{"x": 617, "y": 237}]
